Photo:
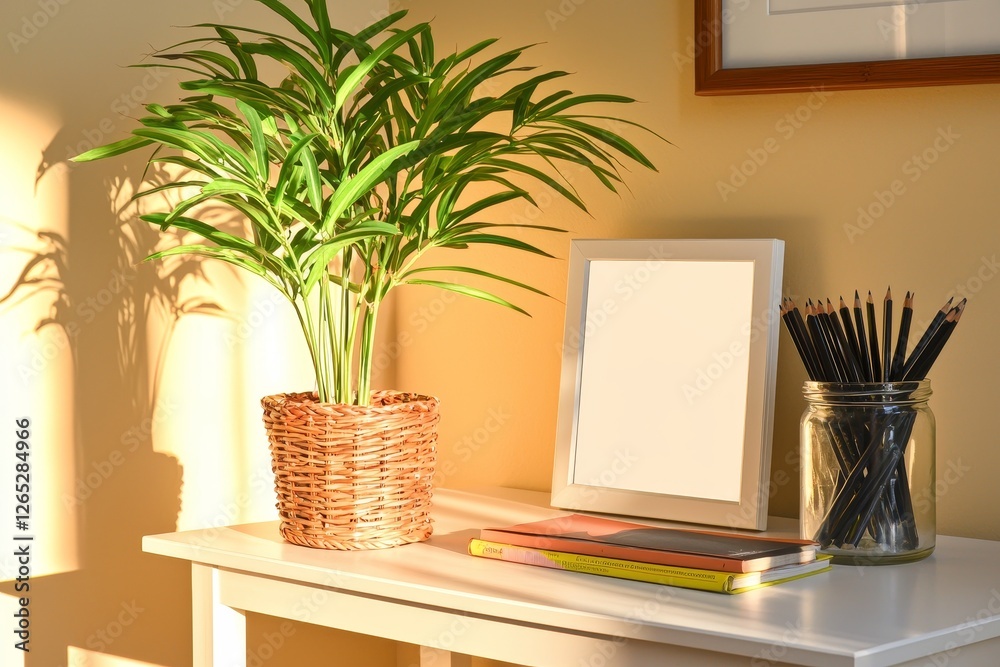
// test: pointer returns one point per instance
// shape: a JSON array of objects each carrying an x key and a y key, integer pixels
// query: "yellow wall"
[
  {"x": 835, "y": 152},
  {"x": 190, "y": 450}
]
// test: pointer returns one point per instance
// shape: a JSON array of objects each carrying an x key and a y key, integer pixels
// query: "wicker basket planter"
[{"x": 351, "y": 477}]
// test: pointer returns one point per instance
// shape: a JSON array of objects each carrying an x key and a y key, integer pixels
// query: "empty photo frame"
[{"x": 667, "y": 389}]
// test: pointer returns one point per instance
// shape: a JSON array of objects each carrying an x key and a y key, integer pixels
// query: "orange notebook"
[{"x": 707, "y": 550}]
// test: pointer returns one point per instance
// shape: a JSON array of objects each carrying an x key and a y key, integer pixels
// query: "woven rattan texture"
[{"x": 351, "y": 477}]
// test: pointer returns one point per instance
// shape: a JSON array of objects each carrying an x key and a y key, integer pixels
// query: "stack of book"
[{"x": 702, "y": 560}]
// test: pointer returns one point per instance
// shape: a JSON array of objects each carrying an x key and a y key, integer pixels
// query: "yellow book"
[{"x": 683, "y": 577}]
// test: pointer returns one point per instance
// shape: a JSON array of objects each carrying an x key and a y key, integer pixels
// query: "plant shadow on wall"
[{"x": 116, "y": 316}]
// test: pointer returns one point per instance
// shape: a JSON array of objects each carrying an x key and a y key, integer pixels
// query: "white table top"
[{"x": 868, "y": 616}]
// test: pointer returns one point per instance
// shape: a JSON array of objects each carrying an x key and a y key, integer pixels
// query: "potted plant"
[{"x": 369, "y": 153}]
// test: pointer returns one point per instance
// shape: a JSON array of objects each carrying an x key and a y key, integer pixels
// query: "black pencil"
[
  {"x": 793, "y": 332},
  {"x": 926, "y": 338},
  {"x": 799, "y": 324},
  {"x": 873, "y": 340},
  {"x": 923, "y": 365},
  {"x": 852, "y": 337},
  {"x": 836, "y": 354},
  {"x": 819, "y": 341},
  {"x": 859, "y": 321},
  {"x": 850, "y": 362},
  {"x": 899, "y": 356},
  {"x": 887, "y": 335}
]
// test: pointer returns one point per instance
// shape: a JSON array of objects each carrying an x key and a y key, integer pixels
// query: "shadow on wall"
[{"x": 117, "y": 315}]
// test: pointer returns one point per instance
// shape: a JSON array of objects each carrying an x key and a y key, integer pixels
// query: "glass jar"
[{"x": 868, "y": 475}]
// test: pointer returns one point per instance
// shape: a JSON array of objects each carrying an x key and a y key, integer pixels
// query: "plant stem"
[
  {"x": 308, "y": 332},
  {"x": 347, "y": 325},
  {"x": 367, "y": 345}
]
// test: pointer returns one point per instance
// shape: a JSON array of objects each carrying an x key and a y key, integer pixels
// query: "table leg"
[
  {"x": 220, "y": 632},
  {"x": 435, "y": 657}
]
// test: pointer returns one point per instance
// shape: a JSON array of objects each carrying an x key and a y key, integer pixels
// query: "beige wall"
[
  {"x": 190, "y": 450},
  {"x": 835, "y": 152}
]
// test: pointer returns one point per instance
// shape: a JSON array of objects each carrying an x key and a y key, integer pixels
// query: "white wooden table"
[{"x": 941, "y": 611}]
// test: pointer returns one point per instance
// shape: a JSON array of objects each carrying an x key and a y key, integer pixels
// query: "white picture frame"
[{"x": 666, "y": 395}]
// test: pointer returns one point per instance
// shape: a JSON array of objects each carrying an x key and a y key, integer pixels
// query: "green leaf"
[
  {"x": 352, "y": 189},
  {"x": 610, "y": 138},
  {"x": 316, "y": 263},
  {"x": 259, "y": 143},
  {"x": 226, "y": 186},
  {"x": 203, "y": 56},
  {"x": 233, "y": 43},
  {"x": 583, "y": 99},
  {"x": 168, "y": 186},
  {"x": 347, "y": 84},
  {"x": 314, "y": 181},
  {"x": 476, "y": 272},
  {"x": 206, "y": 231},
  {"x": 541, "y": 176},
  {"x": 288, "y": 165},
  {"x": 112, "y": 150},
  {"x": 278, "y": 8},
  {"x": 485, "y": 203},
  {"x": 469, "y": 291},
  {"x": 320, "y": 14},
  {"x": 302, "y": 66},
  {"x": 491, "y": 239},
  {"x": 220, "y": 254}
]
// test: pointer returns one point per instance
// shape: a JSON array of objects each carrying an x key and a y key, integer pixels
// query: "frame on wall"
[
  {"x": 711, "y": 78},
  {"x": 667, "y": 389}
]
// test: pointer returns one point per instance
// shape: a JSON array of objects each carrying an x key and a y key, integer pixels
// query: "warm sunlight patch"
[
  {"x": 37, "y": 338},
  {"x": 79, "y": 657}
]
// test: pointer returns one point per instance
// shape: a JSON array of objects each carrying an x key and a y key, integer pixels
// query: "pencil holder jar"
[{"x": 868, "y": 476}]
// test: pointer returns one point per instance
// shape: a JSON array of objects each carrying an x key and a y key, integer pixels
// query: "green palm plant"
[{"x": 369, "y": 153}]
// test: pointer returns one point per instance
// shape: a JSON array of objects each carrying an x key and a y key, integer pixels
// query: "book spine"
[
  {"x": 719, "y": 582},
  {"x": 601, "y": 550}
]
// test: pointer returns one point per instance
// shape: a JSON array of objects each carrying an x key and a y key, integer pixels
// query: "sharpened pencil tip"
[
  {"x": 856, "y": 294},
  {"x": 888, "y": 294}
]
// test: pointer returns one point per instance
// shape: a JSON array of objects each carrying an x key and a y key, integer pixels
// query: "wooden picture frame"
[
  {"x": 711, "y": 78},
  {"x": 667, "y": 389}
]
